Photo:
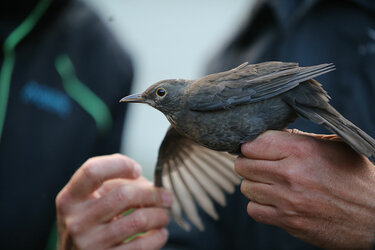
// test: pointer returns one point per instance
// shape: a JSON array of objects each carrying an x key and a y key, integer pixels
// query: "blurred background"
[{"x": 166, "y": 39}]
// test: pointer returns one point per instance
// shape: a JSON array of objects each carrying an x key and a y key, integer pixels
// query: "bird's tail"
[{"x": 311, "y": 102}]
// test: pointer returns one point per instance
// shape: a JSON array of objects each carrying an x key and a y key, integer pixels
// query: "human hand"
[
  {"x": 89, "y": 207},
  {"x": 315, "y": 187}
]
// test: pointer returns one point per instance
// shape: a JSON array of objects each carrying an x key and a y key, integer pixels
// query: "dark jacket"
[
  {"x": 308, "y": 32},
  {"x": 68, "y": 77}
]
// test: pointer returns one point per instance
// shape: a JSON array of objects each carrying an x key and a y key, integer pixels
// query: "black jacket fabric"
[
  {"x": 47, "y": 132},
  {"x": 308, "y": 32}
]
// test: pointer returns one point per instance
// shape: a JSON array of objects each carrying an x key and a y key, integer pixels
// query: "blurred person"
[
  {"x": 301, "y": 191},
  {"x": 62, "y": 74}
]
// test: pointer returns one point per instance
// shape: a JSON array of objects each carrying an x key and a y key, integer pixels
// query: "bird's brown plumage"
[{"x": 218, "y": 112}]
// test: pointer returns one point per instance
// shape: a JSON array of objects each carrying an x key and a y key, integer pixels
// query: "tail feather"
[
  {"x": 310, "y": 101},
  {"x": 348, "y": 132}
]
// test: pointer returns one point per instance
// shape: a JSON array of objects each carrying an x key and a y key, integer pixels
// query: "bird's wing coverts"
[
  {"x": 249, "y": 84},
  {"x": 195, "y": 175}
]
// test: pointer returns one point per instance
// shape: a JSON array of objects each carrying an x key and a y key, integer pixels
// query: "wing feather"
[
  {"x": 176, "y": 205},
  {"x": 249, "y": 84},
  {"x": 197, "y": 176},
  {"x": 215, "y": 161},
  {"x": 207, "y": 183},
  {"x": 185, "y": 198}
]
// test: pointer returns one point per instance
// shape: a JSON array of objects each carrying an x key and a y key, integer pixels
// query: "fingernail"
[
  {"x": 166, "y": 198},
  {"x": 137, "y": 170}
]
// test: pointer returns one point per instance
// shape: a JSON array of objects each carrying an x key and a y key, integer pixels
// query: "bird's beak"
[{"x": 133, "y": 98}]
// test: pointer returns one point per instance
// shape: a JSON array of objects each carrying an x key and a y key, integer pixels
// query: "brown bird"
[{"x": 217, "y": 113}]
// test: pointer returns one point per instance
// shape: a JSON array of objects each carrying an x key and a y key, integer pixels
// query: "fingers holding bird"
[
  {"x": 271, "y": 195},
  {"x": 262, "y": 213},
  {"x": 277, "y": 204},
  {"x": 307, "y": 192},
  {"x": 272, "y": 170},
  {"x": 261, "y": 171},
  {"x": 260, "y": 193}
]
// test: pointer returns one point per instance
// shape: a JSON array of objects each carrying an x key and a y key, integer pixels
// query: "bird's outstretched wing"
[
  {"x": 195, "y": 175},
  {"x": 249, "y": 84}
]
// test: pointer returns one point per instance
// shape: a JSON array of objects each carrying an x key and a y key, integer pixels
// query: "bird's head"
[{"x": 168, "y": 96}]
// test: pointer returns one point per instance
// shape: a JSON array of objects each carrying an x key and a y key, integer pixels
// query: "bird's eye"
[{"x": 161, "y": 92}]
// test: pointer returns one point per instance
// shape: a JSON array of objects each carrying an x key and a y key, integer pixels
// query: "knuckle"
[
  {"x": 302, "y": 183},
  {"x": 90, "y": 161},
  {"x": 258, "y": 217},
  {"x": 89, "y": 169},
  {"x": 62, "y": 202},
  {"x": 137, "y": 221},
  {"x": 294, "y": 224},
  {"x": 257, "y": 214},
  {"x": 267, "y": 139},
  {"x": 237, "y": 165},
  {"x": 297, "y": 205},
  {"x": 125, "y": 193},
  {"x": 121, "y": 159},
  {"x": 246, "y": 147},
  {"x": 82, "y": 243},
  {"x": 129, "y": 166},
  {"x": 297, "y": 175},
  {"x": 240, "y": 166},
  {"x": 73, "y": 226},
  {"x": 289, "y": 173},
  {"x": 245, "y": 188}
]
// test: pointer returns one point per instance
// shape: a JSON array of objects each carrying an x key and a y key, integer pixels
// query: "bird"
[{"x": 212, "y": 116}]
